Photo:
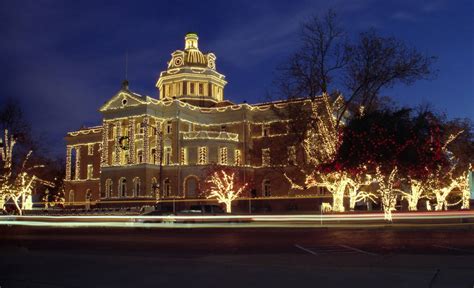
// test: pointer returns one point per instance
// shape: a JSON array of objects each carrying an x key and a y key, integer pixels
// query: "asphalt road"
[{"x": 118, "y": 257}]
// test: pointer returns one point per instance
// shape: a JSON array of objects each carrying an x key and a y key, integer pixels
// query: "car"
[{"x": 203, "y": 209}]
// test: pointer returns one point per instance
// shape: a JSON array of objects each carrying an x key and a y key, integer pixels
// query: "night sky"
[{"x": 63, "y": 59}]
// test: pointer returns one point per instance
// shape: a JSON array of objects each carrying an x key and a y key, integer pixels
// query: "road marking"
[
  {"x": 452, "y": 248},
  {"x": 307, "y": 250},
  {"x": 358, "y": 250}
]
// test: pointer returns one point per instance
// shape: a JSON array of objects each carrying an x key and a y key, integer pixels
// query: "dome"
[
  {"x": 191, "y": 50},
  {"x": 191, "y": 55}
]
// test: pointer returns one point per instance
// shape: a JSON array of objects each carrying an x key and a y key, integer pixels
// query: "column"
[
  {"x": 68, "y": 162},
  {"x": 131, "y": 140},
  {"x": 146, "y": 123},
  {"x": 118, "y": 127},
  {"x": 104, "y": 156},
  {"x": 78, "y": 163}
]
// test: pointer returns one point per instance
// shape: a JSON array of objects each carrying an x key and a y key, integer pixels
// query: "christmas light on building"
[{"x": 169, "y": 141}]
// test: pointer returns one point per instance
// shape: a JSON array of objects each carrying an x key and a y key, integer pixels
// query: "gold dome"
[{"x": 191, "y": 50}]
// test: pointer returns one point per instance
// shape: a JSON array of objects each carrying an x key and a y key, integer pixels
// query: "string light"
[
  {"x": 223, "y": 188},
  {"x": 17, "y": 187}
]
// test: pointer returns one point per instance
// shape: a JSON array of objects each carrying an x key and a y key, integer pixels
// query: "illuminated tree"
[
  {"x": 224, "y": 187},
  {"x": 17, "y": 186},
  {"x": 388, "y": 194},
  {"x": 417, "y": 189},
  {"x": 357, "y": 190}
]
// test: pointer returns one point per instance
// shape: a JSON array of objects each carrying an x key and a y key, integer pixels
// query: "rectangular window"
[
  {"x": 168, "y": 128},
  {"x": 140, "y": 156},
  {"x": 183, "y": 156},
  {"x": 266, "y": 157},
  {"x": 90, "y": 171},
  {"x": 168, "y": 156},
  {"x": 201, "y": 89},
  {"x": 265, "y": 130},
  {"x": 90, "y": 149},
  {"x": 291, "y": 155},
  {"x": 191, "y": 88},
  {"x": 154, "y": 156},
  {"x": 141, "y": 128},
  {"x": 223, "y": 155},
  {"x": 237, "y": 158},
  {"x": 202, "y": 155}
]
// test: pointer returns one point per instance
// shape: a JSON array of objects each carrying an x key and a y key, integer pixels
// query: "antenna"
[
  {"x": 125, "y": 81},
  {"x": 126, "y": 64}
]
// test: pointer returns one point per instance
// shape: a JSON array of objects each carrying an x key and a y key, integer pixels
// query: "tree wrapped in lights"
[
  {"x": 17, "y": 186},
  {"x": 417, "y": 189},
  {"x": 357, "y": 193},
  {"x": 224, "y": 186},
  {"x": 388, "y": 194}
]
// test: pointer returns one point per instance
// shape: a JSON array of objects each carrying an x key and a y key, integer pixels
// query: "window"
[
  {"x": 140, "y": 156},
  {"x": 122, "y": 187},
  {"x": 266, "y": 188},
  {"x": 201, "y": 89},
  {"x": 265, "y": 130},
  {"x": 154, "y": 187},
  {"x": 266, "y": 157},
  {"x": 168, "y": 128},
  {"x": 291, "y": 155},
  {"x": 90, "y": 149},
  {"x": 202, "y": 155},
  {"x": 90, "y": 171},
  {"x": 154, "y": 156},
  {"x": 183, "y": 160},
  {"x": 141, "y": 128},
  {"x": 167, "y": 188},
  {"x": 136, "y": 186},
  {"x": 223, "y": 155},
  {"x": 192, "y": 88},
  {"x": 237, "y": 157},
  {"x": 108, "y": 188},
  {"x": 167, "y": 155}
]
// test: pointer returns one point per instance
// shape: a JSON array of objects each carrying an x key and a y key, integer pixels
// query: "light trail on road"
[{"x": 238, "y": 221}]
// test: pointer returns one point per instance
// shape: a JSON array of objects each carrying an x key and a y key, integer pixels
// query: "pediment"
[{"x": 122, "y": 100}]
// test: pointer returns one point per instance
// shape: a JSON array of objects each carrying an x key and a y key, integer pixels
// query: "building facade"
[{"x": 148, "y": 148}]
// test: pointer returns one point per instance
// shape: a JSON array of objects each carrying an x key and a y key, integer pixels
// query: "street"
[{"x": 325, "y": 257}]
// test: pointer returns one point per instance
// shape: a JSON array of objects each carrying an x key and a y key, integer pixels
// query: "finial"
[{"x": 191, "y": 40}]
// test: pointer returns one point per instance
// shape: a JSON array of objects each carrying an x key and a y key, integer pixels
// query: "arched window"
[
  {"x": 167, "y": 188},
  {"x": 108, "y": 188},
  {"x": 122, "y": 187},
  {"x": 266, "y": 188},
  {"x": 71, "y": 197},
  {"x": 136, "y": 186}
]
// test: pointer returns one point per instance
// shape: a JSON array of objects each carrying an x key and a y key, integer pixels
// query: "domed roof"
[{"x": 191, "y": 56}]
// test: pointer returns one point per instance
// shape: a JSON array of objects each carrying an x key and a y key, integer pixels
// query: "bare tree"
[
  {"x": 376, "y": 62},
  {"x": 311, "y": 69}
]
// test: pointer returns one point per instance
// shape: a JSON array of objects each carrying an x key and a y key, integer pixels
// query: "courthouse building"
[{"x": 162, "y": 147}]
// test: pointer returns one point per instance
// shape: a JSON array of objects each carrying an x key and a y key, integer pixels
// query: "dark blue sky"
[{"x": 64, "y": 59}]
